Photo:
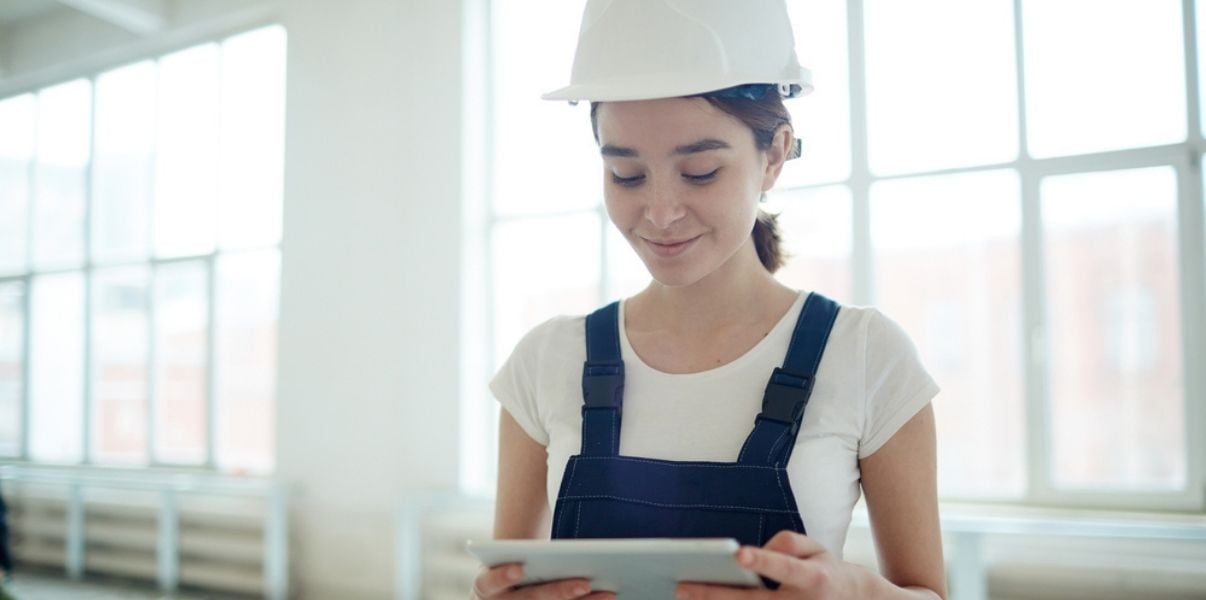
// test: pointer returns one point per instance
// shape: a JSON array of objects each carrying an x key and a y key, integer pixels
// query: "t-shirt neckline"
[{"x": 787, "y": 321}]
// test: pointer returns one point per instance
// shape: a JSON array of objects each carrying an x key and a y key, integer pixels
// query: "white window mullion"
[
  {"x": 1192, "y": 247},
  {"x": 27, "y": 309},
  {"x": 862, "y": 291},
  {"x": 211, "y": 362},
  {"x": 606, "y": 284},
  {"x": 1192, "y": 229},
  {"x": 26, "y": 330},
  {"x": 89, "y": 303},
  {"x": 1034, "y": 339},
  {"x": 152, "y": 364}
]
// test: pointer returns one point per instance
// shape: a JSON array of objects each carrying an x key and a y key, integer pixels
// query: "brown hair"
[{"x": 763, "y": 116}]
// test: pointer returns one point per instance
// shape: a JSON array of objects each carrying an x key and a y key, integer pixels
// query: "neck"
[{"x": 739, "y": 291}]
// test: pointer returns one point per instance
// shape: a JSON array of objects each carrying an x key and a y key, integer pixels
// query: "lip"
[{"x": 670, "y": 248}]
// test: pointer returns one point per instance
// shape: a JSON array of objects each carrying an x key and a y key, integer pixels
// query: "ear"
[{"x": 776, "y": 156}]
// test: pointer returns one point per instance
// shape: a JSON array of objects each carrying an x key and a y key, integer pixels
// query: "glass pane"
[
  {"x": 124, "y": 163},
  {"x": 822, "y": 118},
  {"x": 816, "y": 228},
  {"x": 16, "y": 154},
  {"x": 63, "y": 123},
  {"x": 181, "y": 347},
  {"x": 947, "y": 257},
  {"x": 1115, "y": 80},
  {"x": 12, "y": 363},
  {"x": 246, "y": 334},
  {"x": 941, "y": 84},
  {"x": 626, "y": 274},
  {"x": 1116, "y": 378},
  {"x": 545, "y": 155},
  {"x": 119, "y": 364},
  {"x": 186, "y": 166},
  {"x": 56, "y": 369},
  {"x": 253, "y": 138},
  {"x": 542, "y": 268}
]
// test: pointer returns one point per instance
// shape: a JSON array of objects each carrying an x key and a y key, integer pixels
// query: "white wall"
[
  {"x": 369, "y": 376},
  {"x": 370, "y": 297}
]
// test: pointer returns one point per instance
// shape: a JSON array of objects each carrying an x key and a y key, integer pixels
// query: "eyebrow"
[{"x": 692, "y": 148}]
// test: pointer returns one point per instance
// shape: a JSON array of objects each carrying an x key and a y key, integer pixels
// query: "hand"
[
  {"x": 803, "y": 567},
  {"x": 499, "y": 583}
]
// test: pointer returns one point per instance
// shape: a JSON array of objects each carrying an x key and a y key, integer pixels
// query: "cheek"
[
  {"x": 621, "y": 210},
  {"x": 736, "y": 204}
]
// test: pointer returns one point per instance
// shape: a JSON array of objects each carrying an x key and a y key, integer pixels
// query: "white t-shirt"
[{"x": 869, "y": 383}]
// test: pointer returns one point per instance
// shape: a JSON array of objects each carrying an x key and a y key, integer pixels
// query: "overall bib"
[{"x": 606, "y": 495}]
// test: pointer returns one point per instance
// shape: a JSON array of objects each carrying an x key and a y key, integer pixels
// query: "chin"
[{"x": 680, "y": 276}]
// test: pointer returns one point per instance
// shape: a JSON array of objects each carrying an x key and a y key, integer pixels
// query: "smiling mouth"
[{"x": 669, "y": 248}]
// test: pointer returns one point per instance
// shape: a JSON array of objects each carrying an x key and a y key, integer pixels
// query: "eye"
[
  {"x": 627, "y": 181},
  {"x": 704, "y": 178}
]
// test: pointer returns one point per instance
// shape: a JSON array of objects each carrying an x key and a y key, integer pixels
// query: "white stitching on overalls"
[
  {"x": 678, "y": 464},
  {"x": 741, "y": 455},
  {"x": 776, "y": 444},
  {"x": 824, "y": 342},
  {"x": 615, "y": 442},
  {"x": 779, "y": 480},
  {"x": 578, "y": 519},
  {"x": 666, "y": 505}
]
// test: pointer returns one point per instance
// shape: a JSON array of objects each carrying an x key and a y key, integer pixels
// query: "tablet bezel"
[{"x": 621, "y": 565}]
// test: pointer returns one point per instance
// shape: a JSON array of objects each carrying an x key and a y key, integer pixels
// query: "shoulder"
[
  {"x": 870, "y": 326},
  {"x": 865, "y": 343},
  {"x": 549, "y": 345},
  {"x": 554, "y": 335}
]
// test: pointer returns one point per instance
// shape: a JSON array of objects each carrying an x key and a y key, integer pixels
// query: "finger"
[
  {"x": 795, "y": 544},
  {"x": 567, "y": 589},
  {"x": 784, "y": 568},
  {"x": 700, "y": 591},
  {"x": 495, "y": 580}
]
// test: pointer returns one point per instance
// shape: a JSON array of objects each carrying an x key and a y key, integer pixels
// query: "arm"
[
  {"x": 899, "y": 481},
  {"x": 521, "y": 510},
  {"x": 900, "y": 484}
]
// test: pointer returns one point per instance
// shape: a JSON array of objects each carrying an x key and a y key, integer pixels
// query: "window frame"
[
  {"x": 1184, "y": 157},
  {"x": 89, "y": 69}
]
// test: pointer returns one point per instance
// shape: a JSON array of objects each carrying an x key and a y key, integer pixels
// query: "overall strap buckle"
[
  {"x": 786, "y": 397},
  {"x": 603, "y": 384}
]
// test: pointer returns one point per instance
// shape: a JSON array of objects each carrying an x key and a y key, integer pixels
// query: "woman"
[{"x": 672, "y": 429}]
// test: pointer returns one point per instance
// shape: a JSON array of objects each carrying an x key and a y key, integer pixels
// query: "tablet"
[{"x": 632, "y": 568}]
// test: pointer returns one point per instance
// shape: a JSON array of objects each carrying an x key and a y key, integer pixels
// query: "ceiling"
[{"x": 12, "y": 11}]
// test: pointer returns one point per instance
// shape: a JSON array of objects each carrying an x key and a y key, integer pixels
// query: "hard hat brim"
[{"x": 610, "y": 92}]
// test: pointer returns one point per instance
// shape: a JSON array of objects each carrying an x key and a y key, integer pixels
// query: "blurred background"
[{"x": 258, "y": 260}]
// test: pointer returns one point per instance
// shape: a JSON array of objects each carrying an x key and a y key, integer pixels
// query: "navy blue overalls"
[{"x": 606, "y": 495}]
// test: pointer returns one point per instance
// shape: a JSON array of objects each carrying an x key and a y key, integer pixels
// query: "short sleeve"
[
  {"x": 897, "y": 386},
  {"x": 515, "y": 383}
]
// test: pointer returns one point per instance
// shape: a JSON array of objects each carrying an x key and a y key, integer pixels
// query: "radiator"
[
  {"x": 432, "y": 561},
  {"x": 164, "y": 531}
]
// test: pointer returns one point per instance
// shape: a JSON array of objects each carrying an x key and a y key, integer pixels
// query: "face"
[{"x": 681, "y": 181}]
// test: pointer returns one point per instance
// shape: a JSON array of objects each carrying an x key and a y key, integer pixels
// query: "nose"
[{"x": 663, "y": 207}]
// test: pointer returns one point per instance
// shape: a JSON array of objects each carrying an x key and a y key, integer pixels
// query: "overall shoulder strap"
[
  {"x": 790, "y": 386},
  {"x": 602, "y": 383}
]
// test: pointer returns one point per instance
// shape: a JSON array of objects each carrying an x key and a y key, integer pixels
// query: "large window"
[
  {"x": 1014, "y": 185},
  {"x": 140, "y": 214}
]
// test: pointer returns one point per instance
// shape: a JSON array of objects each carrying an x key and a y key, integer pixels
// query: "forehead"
[{"x": 658, "y": 126}]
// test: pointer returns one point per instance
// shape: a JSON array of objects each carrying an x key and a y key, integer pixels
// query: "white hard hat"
[{"x": 646, "y": 49}]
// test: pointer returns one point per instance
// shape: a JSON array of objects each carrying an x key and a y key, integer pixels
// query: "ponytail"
[{"x": 767, "y": 241}]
